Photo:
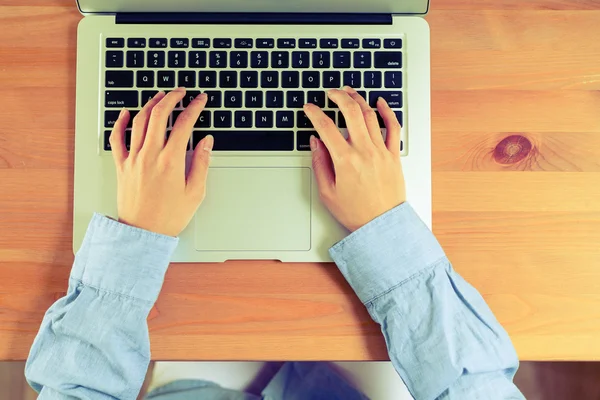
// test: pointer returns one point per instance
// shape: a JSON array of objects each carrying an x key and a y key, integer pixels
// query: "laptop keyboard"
[{"x": 256, "y": 87}]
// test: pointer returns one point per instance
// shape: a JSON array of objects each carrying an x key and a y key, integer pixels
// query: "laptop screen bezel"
[{"x": 410, "y": 7}]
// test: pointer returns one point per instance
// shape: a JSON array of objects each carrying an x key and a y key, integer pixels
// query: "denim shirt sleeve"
[
  {"x": 93, "y": 343},
  {"x": 441, "y": 336}
]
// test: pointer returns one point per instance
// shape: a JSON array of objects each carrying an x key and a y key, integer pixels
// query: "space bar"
[{"x": 255, "y": 140}]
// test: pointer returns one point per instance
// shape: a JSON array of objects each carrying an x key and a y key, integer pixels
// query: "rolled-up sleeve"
[{"x": 441, "y": 336}]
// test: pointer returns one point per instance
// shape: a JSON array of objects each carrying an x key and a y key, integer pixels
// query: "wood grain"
[{"x": 516, "y": 172}]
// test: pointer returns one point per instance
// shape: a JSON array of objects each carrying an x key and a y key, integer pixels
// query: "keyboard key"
[
  {"x": 274, "y": 99},
  {"x": 190, "y": 95},
  {"x": 207, "y": 79},
  {"x": 147, "y": 95},
  {"x": 177, "y": 43},
  {"x": 107, "y": 141},
  {"x": 166, "y": 79},
  {"x": 187, "y": 79},
  {"x": 158, "y": 43},
  {"x": 121, "y": 98},
  {"x": 264, "y": 119},
  {"x": 331, "y": 79},
  {"x": 243, "y": 43},
  {"x": 145, "y": 79},
  {"x": 233, "y": 99},
  {"x": 280, "y": 59},
  {"x": 203, "y": 120},
  {"x": 269, "y": 79},
  {"x": 310, "y": 79},
  {"x": 218, "y": 59},
  {"x": 352, "y": 79},
  {"x": 249, "y": 79},
  {"x": 119, "y": 79},
  {"x": 197, "y": 59},
  {"x": 371, "y": 43},
  {"x": 135, "y": 59},
  {"x": 243, "y": 119},
  {"x": 316, "y": 97},
  {"x": 350, "y": 43},
  {"x": 303, "y": 140},
  {"x": 328, "y": 43},
  {"x": 295, "y": 99},
  {"x": 156, "y": 59},
  {"x": 286, "y": 43},
  {"x": 238, "y": 59},
  {"x": 259, "y": 59},
  {"x": 341, "y": 120},
  {"x": 228, "y": 79},
  {"x": 362, "y": 59},
  {"x": 341, "y": 59},
  {"x": 110, "y": 118},
  {"x": 265, "y": 43},
  {"x": 382, "y": 124},
  {"x": 114, "y": 59},
  {"x": 321, "y": 59},
  {"x": 222, "y": 43},
  {"x": 331, "y": 104},
  {"x": 139, "y": 43},
  {"x": 331, "y": 115},
  {"x": 222, "y": 119},
  {"x": 393, "y": 79},
  {"x": 302, "y": 120},
  {"x": 392, "y": 43},
  {"x": 115, "y": 42},
  {"x": 388, "y": 59},
  {"x": 200, "y": 43},
  {"x": 307, "y": 43},
  {"x": 300, "y": 59},
  {"x": 284, "y": 119},
  {"x": 214, "y": 99},
  {"x": 176, "y": 59},
  {"x": 132, "y": 115},
  {"x": 254, "y": 99},
  {"x": 373, "y": 79},
  {"x": 394, "y": 99},
  {"x": 249, "y": 140},
  {"x": 290, "y": 79}
]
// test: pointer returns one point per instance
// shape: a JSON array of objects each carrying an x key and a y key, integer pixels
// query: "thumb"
[
  {"x": 322, "y": 166},
  {"x": 196, "y": 180}
]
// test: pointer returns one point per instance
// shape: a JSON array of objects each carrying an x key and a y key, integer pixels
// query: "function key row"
[
  {"x": 253, "y": 59},
  {"x": 224, "y": 43}
]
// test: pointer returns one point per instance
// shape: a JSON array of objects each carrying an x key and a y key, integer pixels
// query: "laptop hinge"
[{"x": 256, "y": 18}]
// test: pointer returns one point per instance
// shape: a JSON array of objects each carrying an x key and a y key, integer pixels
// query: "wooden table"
[{"x": 519, "y": 217}]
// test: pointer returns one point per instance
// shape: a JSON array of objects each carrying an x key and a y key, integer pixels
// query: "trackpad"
[{"x": 255, "y": 209}]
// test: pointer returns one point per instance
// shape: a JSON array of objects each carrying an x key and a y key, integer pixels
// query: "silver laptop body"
[{"x": 262, "y": 200}]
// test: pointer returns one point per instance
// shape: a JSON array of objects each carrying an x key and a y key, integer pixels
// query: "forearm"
[
  {"x": 442, "y": 337},
  {"x": 93, "y": 343}
]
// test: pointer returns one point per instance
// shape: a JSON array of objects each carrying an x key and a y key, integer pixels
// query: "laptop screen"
[{"x": 306, "y": 6}]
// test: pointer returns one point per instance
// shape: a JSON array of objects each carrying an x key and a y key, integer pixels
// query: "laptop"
[{"x": 259, "y": 61}]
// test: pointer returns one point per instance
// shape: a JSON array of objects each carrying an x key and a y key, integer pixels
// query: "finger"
[
  {"x": 196, "y": 180},
  {"x": 392, "y": 141},
  {"x": 140, "y": 123},
  {"x": 369, "y": 116},
  {"x": 117, "y": 137},
  {"x": 357, "y": 129},
  {"x": 157, "y": 127},
  {"x": 182, "y": 130},
  {"x": 322, "y": 167},
  {"x": 329, "y": 133}
]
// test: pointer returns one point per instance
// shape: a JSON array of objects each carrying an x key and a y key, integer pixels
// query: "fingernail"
[
  {"x": 348, "y": 89},
  {"x": 122, "y": 113},
  {"x": 209, "y": 141},
  {"x": 331, "y": 91},
  {"x": 159, "y": 94},
  {"x": 314, "y": 143},
  {"x": 381, "y": 100},
  {"x": 180, "y": 89},
  {"x": 202, "y": 96}
]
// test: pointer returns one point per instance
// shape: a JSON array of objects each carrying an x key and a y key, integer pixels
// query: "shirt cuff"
[
  {"x": 122, "y": 259},
  {"x": 386, "y": 252}
]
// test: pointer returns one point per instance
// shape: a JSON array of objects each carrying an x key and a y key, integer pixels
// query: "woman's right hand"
[{"x": 360, "y": 178}]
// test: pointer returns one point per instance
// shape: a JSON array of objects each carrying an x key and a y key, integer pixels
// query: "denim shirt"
[{"x": 441, "y": 336}]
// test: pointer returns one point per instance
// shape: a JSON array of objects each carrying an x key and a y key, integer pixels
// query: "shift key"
[
  {"x": 121, "y": 98},
  {"x": 393, "y": 98}
]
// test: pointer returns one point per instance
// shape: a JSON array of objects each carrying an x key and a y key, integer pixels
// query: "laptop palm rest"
[{"x": 255, "y": 209}]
